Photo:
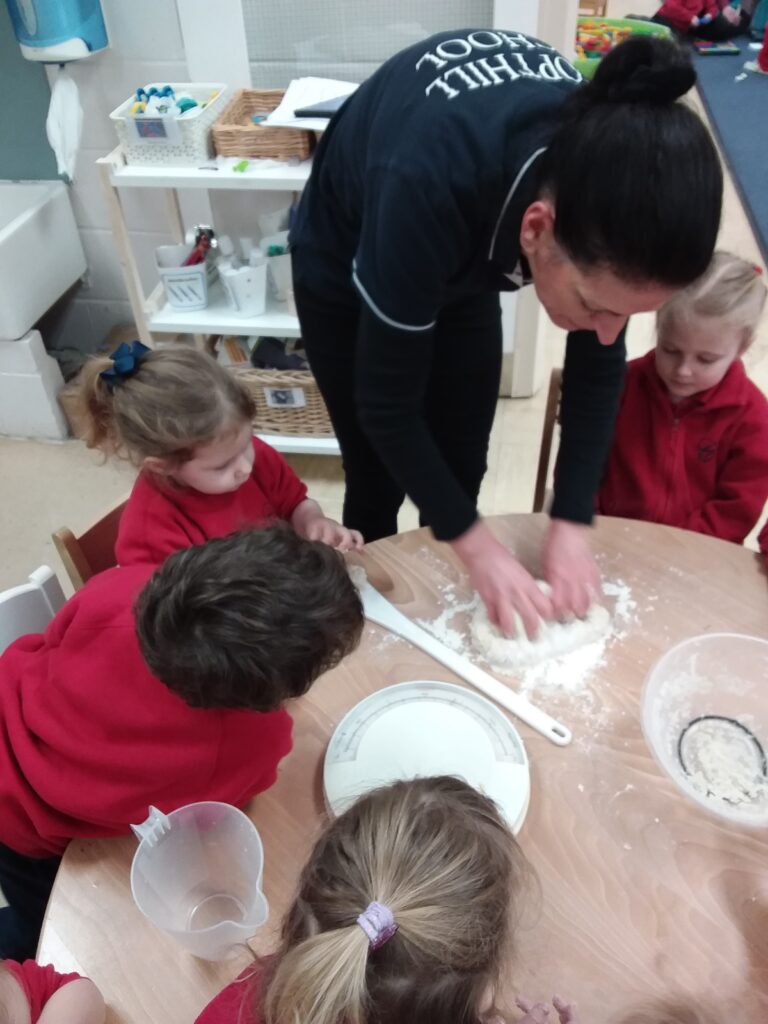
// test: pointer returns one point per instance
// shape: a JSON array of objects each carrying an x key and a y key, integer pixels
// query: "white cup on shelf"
[{"x": 246, "y": 289}]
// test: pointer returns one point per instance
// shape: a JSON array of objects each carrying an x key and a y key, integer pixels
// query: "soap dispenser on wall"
[{"x": 58, "y": 31}]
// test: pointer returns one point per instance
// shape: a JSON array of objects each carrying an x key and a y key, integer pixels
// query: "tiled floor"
[{"x": 48, "y": 485}]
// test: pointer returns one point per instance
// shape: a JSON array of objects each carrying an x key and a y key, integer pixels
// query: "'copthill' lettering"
[{"x": 467, "y": 63}]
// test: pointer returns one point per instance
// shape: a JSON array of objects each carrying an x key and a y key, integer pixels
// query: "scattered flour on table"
[{"x": 567, "y": 674}]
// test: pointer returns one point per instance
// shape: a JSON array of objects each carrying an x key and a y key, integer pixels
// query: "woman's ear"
[
  {"x": 537, "y": 228},
  {"x": 154, "y": 464}
]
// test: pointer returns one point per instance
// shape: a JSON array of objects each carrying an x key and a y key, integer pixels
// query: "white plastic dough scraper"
[{"x": 378, "y": 609}]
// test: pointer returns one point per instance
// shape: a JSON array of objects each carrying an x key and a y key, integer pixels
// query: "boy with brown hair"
[{"x": 162, "y": 686}]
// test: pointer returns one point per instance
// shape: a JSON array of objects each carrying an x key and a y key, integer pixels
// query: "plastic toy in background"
[
  {"x": 711, "y": 49},
  {"x": 596, "y": 37},
  {"x": 162, "y": 101}
]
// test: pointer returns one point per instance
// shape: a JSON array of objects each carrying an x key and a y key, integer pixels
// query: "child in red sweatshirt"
[
  {"x": 700, "y": 18},
  {"x": 159, "y": 687},
  {"x": 690, "y": 447},
  {"x": 427, "y": 869},
  {"x": 28, "y": 989},
  {"x": 187, "y": 422}
]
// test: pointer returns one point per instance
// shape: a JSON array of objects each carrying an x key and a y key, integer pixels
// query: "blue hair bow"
[{"x": 126, "y": 360}]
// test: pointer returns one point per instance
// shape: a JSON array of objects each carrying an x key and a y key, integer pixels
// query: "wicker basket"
[
  {"x": 287, "y": 402},
  {"x": 235, "y": 134}
]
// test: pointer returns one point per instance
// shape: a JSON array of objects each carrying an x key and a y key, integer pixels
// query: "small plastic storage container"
[
  {"x": 185, "y": 287},
  {"x": 171, "y": 141}
]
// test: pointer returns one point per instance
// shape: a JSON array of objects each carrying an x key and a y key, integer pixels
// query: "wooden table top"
[{"x": 645, "y": 899}]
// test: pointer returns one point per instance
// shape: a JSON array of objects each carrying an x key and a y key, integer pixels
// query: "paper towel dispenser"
[{"x": 58, "y": 31}]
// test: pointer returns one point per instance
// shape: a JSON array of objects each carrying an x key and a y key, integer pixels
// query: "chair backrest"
[
  {"x": 551, "y": 415},
  {"x": 30, "y": 607},
  {"x": 91, "y": 552}
]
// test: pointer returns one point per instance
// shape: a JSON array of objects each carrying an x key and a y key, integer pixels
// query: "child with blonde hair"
[
  {"x": 405, "y": 911},
  {"x": 690, "y": 447},
  {"x": 30, "y": 993},
  {"x": 186, "y": 422}
]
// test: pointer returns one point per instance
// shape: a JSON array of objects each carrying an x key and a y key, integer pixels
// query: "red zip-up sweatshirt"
[
  {"x": 701, "y": 464},
  {"x": 160, "y": 518},
  {"x": 681, "y": 12},
  {"x": 89, "y": 738}
]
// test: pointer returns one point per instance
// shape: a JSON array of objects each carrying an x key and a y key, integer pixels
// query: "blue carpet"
[{"x": 739, "y": 115}]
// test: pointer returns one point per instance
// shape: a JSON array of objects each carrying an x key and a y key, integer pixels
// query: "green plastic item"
[
  {"x": 588, "y": 65},
  {"x": 241, "y": 166}
]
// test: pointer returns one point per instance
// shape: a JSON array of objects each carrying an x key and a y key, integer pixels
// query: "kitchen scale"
[{"x": 425, "y": 728}]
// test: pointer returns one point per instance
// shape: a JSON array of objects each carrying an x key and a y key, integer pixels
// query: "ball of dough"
[{"x": 553, "y": 639}]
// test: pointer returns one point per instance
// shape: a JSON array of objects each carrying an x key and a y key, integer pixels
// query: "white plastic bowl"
[{"x": 724, "y": 675}]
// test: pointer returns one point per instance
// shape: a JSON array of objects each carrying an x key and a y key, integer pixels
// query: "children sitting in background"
[
  {"x": 187, "y": 422},
  {"x": 159, "y": 689},
  {"x": 405, "y": 912},
  {"x": 31, "y": 993},
  {"x": 690, "y": 447},
  {"x": 700, "y": 18}
]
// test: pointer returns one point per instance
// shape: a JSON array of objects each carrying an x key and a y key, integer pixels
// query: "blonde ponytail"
[
  {"x": 436, "y": 853},
  {"x": 322, "y": 980},
  {"x": 175, "y": 400}
]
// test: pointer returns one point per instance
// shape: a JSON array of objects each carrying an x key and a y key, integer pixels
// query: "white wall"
[{"x": 146, "y": 46}]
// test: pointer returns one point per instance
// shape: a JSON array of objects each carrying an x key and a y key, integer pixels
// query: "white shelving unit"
[{"x": 152, "y": 314}]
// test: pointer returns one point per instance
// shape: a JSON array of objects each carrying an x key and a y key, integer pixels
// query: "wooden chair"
[
  {"x": 551, "y": 417},
  {"x": 30, "y": 607},
  {"x": 597, "y": 8},
  {"x": 91, "y": 552}
]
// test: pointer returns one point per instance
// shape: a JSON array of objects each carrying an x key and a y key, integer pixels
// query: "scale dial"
[{"x": 428, "y": 728}]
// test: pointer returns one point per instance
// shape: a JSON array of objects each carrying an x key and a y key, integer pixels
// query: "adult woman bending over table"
[{"x": 471, "y": 163}]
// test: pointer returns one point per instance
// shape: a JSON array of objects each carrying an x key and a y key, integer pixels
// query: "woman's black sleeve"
[
  {"x": 392, "y": 373},
  {"x": 593, "y": 377}
]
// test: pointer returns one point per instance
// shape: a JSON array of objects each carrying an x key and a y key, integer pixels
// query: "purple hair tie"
[{"x": 378, "y": 923}]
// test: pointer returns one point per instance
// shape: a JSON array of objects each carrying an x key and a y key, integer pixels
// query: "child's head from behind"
[
  {"x": 248, "y": 621},
  {"x": 437, "y": 855},
  {"x": 704, "y": 328},
  {"x": 176, "y": 412}
]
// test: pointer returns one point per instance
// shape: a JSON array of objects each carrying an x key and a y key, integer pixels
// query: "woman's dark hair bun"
[{"x": 642, "y": 69}]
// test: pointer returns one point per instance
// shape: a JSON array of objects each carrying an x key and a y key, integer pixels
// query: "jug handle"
[{"x": 156, "y": 825}]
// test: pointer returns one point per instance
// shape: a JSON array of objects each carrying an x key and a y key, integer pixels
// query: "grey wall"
[
  {"x": 344, "y": 39},
  {"x": 24, "y": 99}
]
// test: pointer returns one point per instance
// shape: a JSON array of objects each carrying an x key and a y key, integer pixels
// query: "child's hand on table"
[
  {"x": 309, "y": 522},
  {"x": 329, "y": 532}
]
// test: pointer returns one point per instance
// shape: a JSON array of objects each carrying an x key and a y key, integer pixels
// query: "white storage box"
[
  {"x": 185, "y": 287},
  {"x": 171, "y": 141}
]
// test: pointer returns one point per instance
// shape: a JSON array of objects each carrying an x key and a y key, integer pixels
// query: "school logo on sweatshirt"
[
  {"x": 487, "y": 58},
  {"x": 707, "y": 450}
]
